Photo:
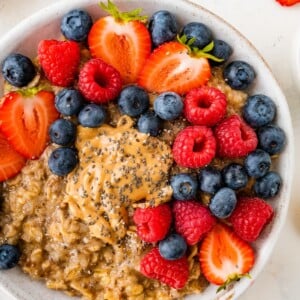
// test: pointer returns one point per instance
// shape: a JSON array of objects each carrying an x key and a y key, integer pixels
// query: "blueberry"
[
  {"x": 257, "y": 163},
  {"x": 149, "y": 123},
  {"x": 210, "y": 180},
  {"x": 76, "y": 24},
  {"x": 163, "y": 27},
  {"x": 62, "y": 161},
  {"x": 239, "y": 75},
  {"x": 223, "y": 203},
  {"x": 18, "y": 69},
  {"x": 271, "y": 138},
  {"x": 9, "y": 256},
  {"x": 235, "y": 176},
  {"x": 168, "y": 106},
  {"x": 259, "y": 110},
  {"x": 184, "y": 186},
  {"x": 133, "y": 101},
  {"x": 69, "y": 102},
  {"x": 172, "y": 247},
  {"x": 268, "y": 186},
  {"x": 200, "y": 32},
  {"x": 62, "y": 132},
  {"x": 92, "y": 115},
  {"x": 221, "y": 50}
]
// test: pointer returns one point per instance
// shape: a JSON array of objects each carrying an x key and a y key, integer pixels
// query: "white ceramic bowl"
[{"x": 45, "y": 25}]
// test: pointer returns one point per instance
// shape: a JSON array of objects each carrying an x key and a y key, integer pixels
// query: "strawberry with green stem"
[
  {"x": 177, "y": 66},
  {"x": 121, "y": 40},
  {"x": 25, "y": 117},
  {"x": 225, "y": 257}
]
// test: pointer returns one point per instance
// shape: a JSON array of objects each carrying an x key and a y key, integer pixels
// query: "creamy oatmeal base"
[{"x": 76, "y": 233}]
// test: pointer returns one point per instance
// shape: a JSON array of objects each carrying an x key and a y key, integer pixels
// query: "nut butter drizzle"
[{"x": 128, "y": 166}]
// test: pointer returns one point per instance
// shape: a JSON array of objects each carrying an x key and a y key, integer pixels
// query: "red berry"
[
  {"x": 174, "y": 273},
  {"x": 153, "y": 223},
  {"x": 205, "y": 106},
  {"x": 235, "y": 138},
  {"x": 192, "y": 220},
  {"x": 59, "y": 61},
  {"x": 99, "y": 82},
  {"x": 194, "y": 147},
  {"x": 250, "y": 217}
]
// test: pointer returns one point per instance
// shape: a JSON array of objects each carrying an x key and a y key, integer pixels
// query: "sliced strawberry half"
[
  {"x": 170, "y": 67},
  {"x": 121, "y": 40},
  {"x": 11, "y": 162},
  {"x": 25, "y": 119},
  {"x": 224, "y": 257}
]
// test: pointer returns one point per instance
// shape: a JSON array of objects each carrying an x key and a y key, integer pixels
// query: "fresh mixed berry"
[
  {"x": 62, "y": 161},
  {"x": 76, "y": 24},
  {"x": 158, "y": 73},
  {"x": 69, "y": 102},
  {"x": 133, "y": 101},
  {"x": 163, "y": 27},
  {"x": 62, "y": 132},
  {"x": 18, "y": 69},
  {"x": 92, "y": 115}
]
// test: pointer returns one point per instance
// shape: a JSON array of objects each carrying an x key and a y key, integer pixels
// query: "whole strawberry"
[
  {"x": 192, "y": 220},
  {"x": 59, "y": 61},
  {"x": 174, "y": 273},
  {"x": 153, "y": 223},
  {"x": 235, "y": 138},
  {"x": 250, "y": 216}
]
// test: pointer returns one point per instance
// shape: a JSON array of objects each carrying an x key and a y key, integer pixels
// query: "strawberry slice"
[
  {"x": 224, "y": 257},
  {"x": 288, "y": 2},
  {"x": 121, "y": 40},
  {"x": 25, "y": 119},
  {"x": 172, "y": 67},
  {"x": 11, "y": 162}
]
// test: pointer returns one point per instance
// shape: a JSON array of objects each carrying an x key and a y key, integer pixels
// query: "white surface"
[{"x": 273, "y": 30}]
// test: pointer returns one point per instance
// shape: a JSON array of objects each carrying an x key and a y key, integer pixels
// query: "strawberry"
[
  {"x": 25, "y": 119},
  {"x": 59, "y": 61},
  {"x": 122, "y": 40},
  {"x": 288, "y": 2},
  {"x": 224, "y": 257},
  {"x": 11, "y": 162},
  {"x": 172, "y": 67}
]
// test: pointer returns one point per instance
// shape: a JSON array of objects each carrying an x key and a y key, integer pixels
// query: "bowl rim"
[{"x": 51, "y": 11}]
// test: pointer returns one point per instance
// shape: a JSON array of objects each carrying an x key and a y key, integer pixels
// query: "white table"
[{"x": 274, "y": 31}]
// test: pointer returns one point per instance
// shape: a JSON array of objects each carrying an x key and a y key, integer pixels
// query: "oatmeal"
[{"x": 77, "y": 233}]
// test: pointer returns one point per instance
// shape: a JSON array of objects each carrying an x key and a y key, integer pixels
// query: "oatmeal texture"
[{"x": 76, "y": 233}]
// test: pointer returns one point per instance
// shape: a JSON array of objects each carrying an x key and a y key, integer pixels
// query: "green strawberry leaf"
[{"x": 112, "y": 9}]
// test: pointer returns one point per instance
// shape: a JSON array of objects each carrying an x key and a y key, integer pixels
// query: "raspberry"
[
  {"x": 59, "y": 61},
  {"x": 99, "y": 82},
  {"x": 174, "y": 273},
  {"x": 235, "y": 138},
  {"x": 250, "y": 217},
  {"x": 153, "y": 223},
  {"x": 192, "y": 220},
  {"x": 194, "y": 147},
  {"x": 205, "y": 106}
]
